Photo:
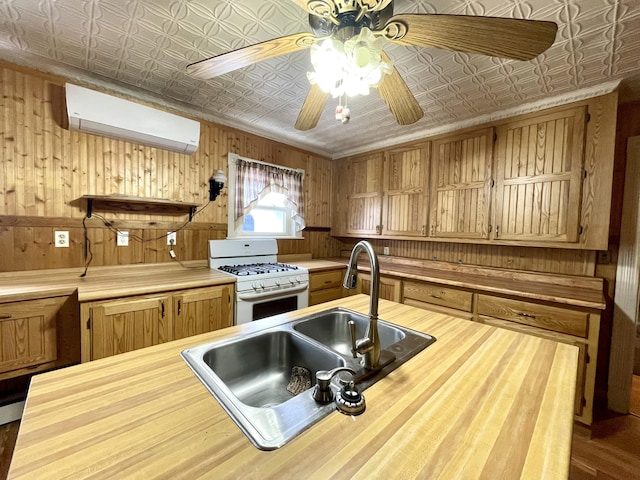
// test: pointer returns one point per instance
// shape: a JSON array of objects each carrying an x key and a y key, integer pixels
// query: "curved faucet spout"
[{"x": 369, "y": 346}]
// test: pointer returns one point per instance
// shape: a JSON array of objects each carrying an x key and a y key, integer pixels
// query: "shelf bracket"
[
  {"x": 192, "y": 212},
  {"x": 89, "y": 207}
]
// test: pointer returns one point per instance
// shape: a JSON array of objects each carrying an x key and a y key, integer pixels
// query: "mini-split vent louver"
[{"x": 101, "y": 114}]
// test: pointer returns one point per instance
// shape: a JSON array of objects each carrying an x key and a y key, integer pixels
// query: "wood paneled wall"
[{"x": 45, "y": 169}]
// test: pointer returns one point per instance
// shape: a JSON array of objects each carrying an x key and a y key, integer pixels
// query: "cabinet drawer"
[
  {"x": 547, "y": 317},
  {"x": 328, "y": 279},
  {"x": 438, "y": 295}
]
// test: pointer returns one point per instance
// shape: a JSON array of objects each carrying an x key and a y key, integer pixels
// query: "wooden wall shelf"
[{"x": 130, "y": 203}]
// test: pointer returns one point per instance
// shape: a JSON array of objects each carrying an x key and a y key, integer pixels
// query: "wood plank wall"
[{"x": 45, "y": 169}]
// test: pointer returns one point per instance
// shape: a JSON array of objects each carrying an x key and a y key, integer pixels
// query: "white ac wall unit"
[{"x": 101, "y": 114}]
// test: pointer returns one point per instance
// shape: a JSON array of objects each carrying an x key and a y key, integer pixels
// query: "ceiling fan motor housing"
[{"x": 348, "y": 23}]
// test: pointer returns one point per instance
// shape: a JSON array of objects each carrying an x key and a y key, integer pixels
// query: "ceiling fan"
[{"x": 344, "y": 21}]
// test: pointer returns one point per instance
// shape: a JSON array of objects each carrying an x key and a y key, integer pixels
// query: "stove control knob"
[
  {"x": 254, "y": 286},
  {"x": 262, "y": 285},
  {"x": 277, "y": 282}
]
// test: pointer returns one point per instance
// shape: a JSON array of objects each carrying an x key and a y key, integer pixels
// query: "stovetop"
[{"x": 257, "y": 268}]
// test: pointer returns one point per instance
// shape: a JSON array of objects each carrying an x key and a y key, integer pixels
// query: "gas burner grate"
[{"x": 257, "y": 268}]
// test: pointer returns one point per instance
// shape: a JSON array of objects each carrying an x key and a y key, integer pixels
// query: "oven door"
[{"x": 252, "y": 306}]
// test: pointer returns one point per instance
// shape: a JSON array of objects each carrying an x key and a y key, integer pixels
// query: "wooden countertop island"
[{"x": 481, "y": 402}]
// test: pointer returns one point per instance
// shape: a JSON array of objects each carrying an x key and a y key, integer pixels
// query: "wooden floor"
[
  {"x": 610, "y": 451},
  {"x": 8, "y": 434}
]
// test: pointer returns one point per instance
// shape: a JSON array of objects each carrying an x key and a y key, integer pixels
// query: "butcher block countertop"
[
  {"x": 481, "y": 402},
  {"x": 102, "y": 283},
  {"x": 109, "y": 282},
  {"x": 578, "y": 291}
]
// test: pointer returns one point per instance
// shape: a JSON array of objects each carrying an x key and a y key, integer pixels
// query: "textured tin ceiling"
[{"x": 141, "y": 48}]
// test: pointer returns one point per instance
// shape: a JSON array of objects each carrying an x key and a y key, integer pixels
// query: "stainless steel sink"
[
  {"x": 249, "y": 374},
  {"x": 331, "y": 328},
  {"x": 258, "y": 369}
]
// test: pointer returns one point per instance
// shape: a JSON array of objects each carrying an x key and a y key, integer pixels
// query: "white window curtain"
[{"x": 254, "y": 180}]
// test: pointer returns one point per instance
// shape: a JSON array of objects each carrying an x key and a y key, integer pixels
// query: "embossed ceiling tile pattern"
[{"x": 148, "y": 45}]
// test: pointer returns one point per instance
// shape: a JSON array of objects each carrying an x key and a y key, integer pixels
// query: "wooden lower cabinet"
[
  {"x": 326, "y": 285},
  {"x": 390, "y": 287},
  {"x": 202, "y": 310},
  {"x": 28, "y": 335},
  {"x": 126, "y": 324},
  {"x": 566, "y": 324}
]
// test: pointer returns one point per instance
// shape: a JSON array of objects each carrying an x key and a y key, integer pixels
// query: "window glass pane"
[{"x": 266, "y": 220}]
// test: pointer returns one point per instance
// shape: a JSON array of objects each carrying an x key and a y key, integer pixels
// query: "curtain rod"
[{"x": 297, "y": 170}]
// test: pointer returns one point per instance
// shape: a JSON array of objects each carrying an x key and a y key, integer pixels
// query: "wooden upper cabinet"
[
  {"x": 539, "y": 168},
  {"x": 405, "y": 188},
  {"x": 318, "y": 192},
  {"x": 460, "y": 185},
  {"x": 364, "y": 194}
]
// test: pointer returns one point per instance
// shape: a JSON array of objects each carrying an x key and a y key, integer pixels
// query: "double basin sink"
[{"x": 249, "y": 373}]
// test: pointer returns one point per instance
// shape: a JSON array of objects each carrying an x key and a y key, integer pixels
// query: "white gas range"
[{"x": 264, "y": 287}]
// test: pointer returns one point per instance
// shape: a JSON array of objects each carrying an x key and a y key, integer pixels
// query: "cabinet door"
[
  {"x": 460, "y": 185},
  {"x": 364, "y": 195},
  {"x": 120, "y": 326},
  {"x": 28, "y": 333},
  {"x": 390, "y": 287},
  {"x": 539, "y": 166},
  {"x": 318, "y": 192},
  {"x": 405, "y": 191},
  {"x": 202, "y": 310}
]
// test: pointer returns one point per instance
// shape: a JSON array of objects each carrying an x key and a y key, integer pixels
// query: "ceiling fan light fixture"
[
  {"x": 329, "y": 61},
  {"x": 351, "y": 68}
]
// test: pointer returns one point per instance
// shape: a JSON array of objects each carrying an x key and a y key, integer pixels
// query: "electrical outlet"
[
  {"x": 61, "y": 238},
  {"x": 386, "y": 250},
  {"x": 171, "y": 238},
  {"x": 122, "y": 240}
]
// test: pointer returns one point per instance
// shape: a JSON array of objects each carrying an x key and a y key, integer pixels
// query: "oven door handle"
[{"x": 272, "y": 293}]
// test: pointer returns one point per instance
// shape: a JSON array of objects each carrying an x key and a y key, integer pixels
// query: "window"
[{"x": 265, "y": 200}]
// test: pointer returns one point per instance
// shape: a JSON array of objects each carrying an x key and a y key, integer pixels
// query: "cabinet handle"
[
  {"x": 179, "y": 306},
  {"x": 527, "y": 315},
  {"x": 497, "y": 231},
  {"x": 327, "y": 282},
  {"x": 162, "y": 309},
  {"x": 436, "y": 296},
  {"x": 5, "y": 316},
  {"x": 424, "y": 230},
  {"x": 433, "y": 230}
]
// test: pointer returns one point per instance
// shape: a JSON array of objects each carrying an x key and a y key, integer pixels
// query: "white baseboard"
[{"x": 11, "y": 413}]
